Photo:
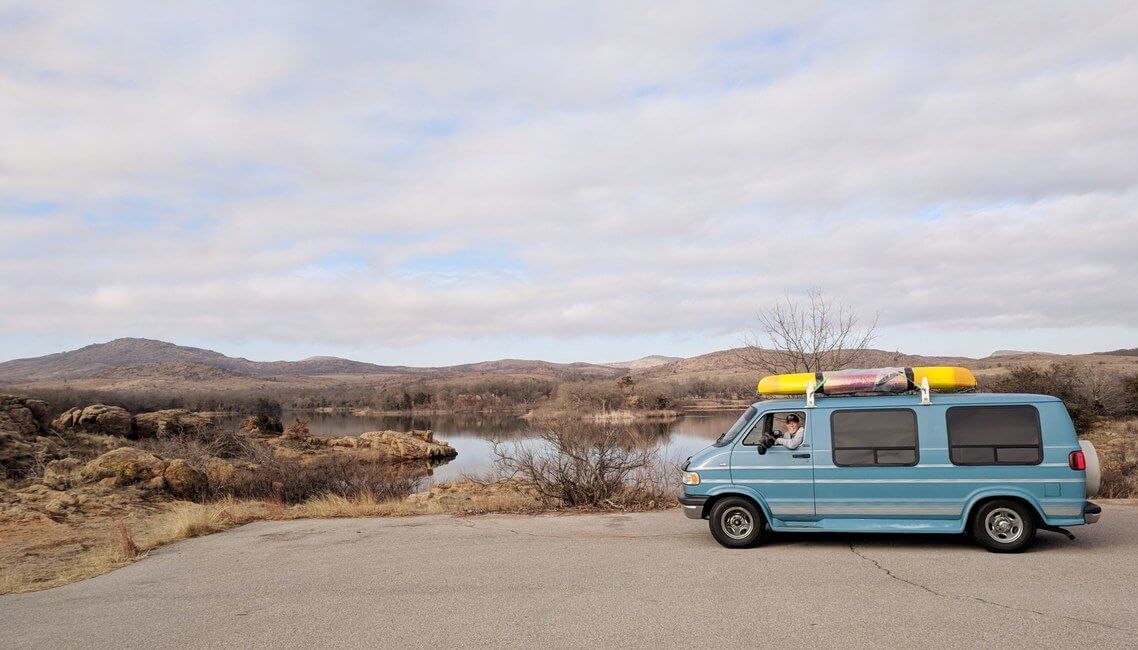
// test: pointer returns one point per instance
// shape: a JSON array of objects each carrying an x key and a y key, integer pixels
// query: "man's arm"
[{"x": 792, "y": 443}]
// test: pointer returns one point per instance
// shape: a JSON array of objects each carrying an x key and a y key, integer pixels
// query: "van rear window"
[
  {"x": 994, "y": 435},
  {"x": 874, "y": 437}
]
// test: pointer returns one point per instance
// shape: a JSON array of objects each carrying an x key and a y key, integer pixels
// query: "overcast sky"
[{"x": 430, "y": 183}]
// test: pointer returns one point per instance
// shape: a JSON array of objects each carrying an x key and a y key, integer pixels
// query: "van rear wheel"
[
  {"x": 736, "y": 522},
  {"x": 1004, "y": 526}
]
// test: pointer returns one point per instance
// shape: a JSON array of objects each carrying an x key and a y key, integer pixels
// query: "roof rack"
[{"x": 926, "y": 393}]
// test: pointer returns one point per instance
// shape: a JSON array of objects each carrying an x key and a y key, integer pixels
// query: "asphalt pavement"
[{"x": 630, "y": 580}]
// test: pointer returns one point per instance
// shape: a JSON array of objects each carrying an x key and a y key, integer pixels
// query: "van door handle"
[{"x": 800, "y": 455}]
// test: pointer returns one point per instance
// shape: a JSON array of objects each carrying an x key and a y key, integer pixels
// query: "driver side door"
[{"x": 784, "y": 477}]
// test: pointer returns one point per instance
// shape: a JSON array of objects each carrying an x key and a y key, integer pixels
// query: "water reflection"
[{"x": 470, "y": 433}]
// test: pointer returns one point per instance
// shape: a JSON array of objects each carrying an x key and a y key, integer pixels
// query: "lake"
[{"x": 471, "y": 434}]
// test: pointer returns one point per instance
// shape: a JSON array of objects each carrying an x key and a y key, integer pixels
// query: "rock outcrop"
[
  {"x": 130, "y": 466},
  {"x": 97, "y": 418},
  {"x": 22, "y": 445},
  {"x": 170, "y": 422},
  {"x": 391, "y": 446}
]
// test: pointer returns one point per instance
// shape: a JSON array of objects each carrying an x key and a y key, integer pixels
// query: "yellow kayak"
[{"x": 874, "y": 380}]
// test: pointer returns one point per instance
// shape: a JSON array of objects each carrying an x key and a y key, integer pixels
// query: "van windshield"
[{"x": 736, "y": 428}]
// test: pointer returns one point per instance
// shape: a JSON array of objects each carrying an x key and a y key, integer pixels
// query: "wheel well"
[
  {"x": 719, "y": 497},
  {"x": 1020, "y": 500}
]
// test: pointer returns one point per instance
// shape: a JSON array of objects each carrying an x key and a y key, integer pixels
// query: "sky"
[{"x": 429, "y": 183}]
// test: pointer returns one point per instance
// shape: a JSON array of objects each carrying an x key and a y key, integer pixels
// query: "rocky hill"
[
  {"x": 135, "y": 360},
  {"x": 94, "y": 360},
  {"x": 159, "y": 369},
  {"x": 1128, "y": 352},
  {"x": 644, "y": 363}
]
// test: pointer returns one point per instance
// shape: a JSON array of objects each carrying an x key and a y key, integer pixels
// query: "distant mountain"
[
  {"x": 146, "y": 363},
  {"x": 98, "y": 359},
  {"x": 136, "y": 358},
  {"x": 1015, "y": 353},
  {"x": 643, "y": 363},
  {"x": 736, "y": 361},
  {"x": 525, "y": 367},
  {"x": 1127, "y": 352}
]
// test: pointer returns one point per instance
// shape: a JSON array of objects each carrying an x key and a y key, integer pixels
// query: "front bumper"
[
  {"x": 692, "y": 505},
  {"x": 1091, "y": 512}
]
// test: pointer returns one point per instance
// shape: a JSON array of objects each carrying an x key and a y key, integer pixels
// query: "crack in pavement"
[{"x": 984, "y": 601}]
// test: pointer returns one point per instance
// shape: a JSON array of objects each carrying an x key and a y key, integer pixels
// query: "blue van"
[{"x": 999, "y": 466}]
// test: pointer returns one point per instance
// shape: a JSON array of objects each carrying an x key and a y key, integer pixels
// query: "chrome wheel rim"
[
  {"x": 1004, "y": 525},
  {"x": 736, "y": 522}
]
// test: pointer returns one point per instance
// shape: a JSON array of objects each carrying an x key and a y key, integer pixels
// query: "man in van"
[{"x": 795, "y": 433}]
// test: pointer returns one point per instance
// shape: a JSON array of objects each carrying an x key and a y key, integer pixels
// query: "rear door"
[{"x": 783, "y": 477}]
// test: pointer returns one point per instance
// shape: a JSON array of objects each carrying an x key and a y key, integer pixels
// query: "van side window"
[
  {"x": 874, "y": 437},
  {"x": 773, "y": 423},
  {"x": 994, "y": 435}
]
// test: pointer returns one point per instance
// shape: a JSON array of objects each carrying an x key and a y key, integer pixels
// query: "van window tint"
[
  {"x": 994, "y": 435},
  {"x": 867, "y": 437}
]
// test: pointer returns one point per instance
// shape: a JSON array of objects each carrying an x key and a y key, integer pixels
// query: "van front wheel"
[
  {"x": 1003, "y": 526},
  {"x": 736, "y": 522}
]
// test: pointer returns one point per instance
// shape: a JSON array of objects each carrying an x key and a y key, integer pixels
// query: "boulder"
[
  {"x": 17, "y": 455},
  {"x": 97, "y": 418},
  {"x": 22, "y": 447},
  {"x": 63, "y": 473},
  {"x": 24, "y": 416},
  {"x": 184, "y": 481},
  {"x": 124, "y": 466},
  {"x": 262, "y": 426},
  {"x": 168, "y": 422}
]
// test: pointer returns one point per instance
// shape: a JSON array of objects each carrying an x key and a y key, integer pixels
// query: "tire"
[
  {"x": 736, "y": 522},
  {"x": 1004, "y": 526}
]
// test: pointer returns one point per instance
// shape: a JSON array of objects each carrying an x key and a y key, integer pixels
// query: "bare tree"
[{"x": 807, "y": 336}]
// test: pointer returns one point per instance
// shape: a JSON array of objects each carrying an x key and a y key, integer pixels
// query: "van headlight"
[{"x": 691, "y": 478}]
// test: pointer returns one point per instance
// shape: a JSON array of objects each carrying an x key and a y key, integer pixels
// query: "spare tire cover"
[{"x": 1094, "y": 474}]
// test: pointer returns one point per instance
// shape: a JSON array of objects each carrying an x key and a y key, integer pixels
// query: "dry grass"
[
  {"x": 127, "y": 547},
  {"x": 194, "y": 520},
  {"x": 18, "y": 575},
  {"x": 329, "y": 506},
  {"x": 118, "y": 543}
]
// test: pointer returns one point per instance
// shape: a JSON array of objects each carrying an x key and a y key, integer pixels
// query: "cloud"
[{"x": 402, "y": 173}]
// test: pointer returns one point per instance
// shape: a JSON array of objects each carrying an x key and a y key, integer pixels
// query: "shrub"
[
  {"x": 1116, "y": 442},
  {"x": 582, "y": 464},
  {"x": 1086, "y": 390},
  {"x": 198, "y": 444}
]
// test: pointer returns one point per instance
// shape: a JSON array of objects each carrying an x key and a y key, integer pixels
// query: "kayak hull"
[{"x": 874, "y": 380}]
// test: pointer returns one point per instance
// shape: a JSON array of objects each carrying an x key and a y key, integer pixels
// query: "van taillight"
[{"x": 1078, "y": 461}]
